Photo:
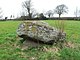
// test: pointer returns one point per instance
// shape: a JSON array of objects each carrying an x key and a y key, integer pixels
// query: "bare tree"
[
  {"x": 11, "y": 17},
  {"x": 34, "y": 13},
  {"x": 49, "y": 13},
  {"x": 76, "y": 12},
  {"x": 0, "y": 13},
  {"x": 60, "y": 9},
  {"x": 28, "y": 6}
]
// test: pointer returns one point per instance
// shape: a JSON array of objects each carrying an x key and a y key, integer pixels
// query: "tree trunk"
[
  {"x": 59, "y": 16},
  {"x": 29, "y": 14},
  {"x": 49, "y": 16}
]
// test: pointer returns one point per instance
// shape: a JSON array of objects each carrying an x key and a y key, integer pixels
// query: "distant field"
[{"x": 10, "y": 47}]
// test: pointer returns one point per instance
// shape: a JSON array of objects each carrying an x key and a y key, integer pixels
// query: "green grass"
[
  {"x": 72, "y": 28},
  {"x": 10, "y": 47}
]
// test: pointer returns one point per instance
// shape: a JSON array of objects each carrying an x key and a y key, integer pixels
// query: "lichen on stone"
[{"x": 39, "y": 30}]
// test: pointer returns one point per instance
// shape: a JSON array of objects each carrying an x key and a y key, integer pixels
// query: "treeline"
[
  {"x": 65, "y": 18},
  {"x": 44, "y": 18}
]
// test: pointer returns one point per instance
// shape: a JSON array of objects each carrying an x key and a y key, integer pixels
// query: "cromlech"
[{"x": 40, "y": 31}]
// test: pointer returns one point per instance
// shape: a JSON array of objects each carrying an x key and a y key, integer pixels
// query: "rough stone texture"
[{"x": 39, "y": 31}]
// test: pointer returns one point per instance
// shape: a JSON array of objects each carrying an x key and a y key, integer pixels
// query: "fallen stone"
[{"x": 40, "y": 31}]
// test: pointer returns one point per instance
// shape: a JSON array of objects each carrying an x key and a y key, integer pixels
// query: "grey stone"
[{"x": 40, "y": 31}]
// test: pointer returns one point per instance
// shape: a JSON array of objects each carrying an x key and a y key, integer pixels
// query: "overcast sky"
[{"x": 14, "y": 7}]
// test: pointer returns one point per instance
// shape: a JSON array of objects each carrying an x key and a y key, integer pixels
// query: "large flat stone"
[{"x": 40, "y": 31}]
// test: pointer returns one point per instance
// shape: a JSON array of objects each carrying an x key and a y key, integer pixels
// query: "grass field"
[{"x": 10, "y": 46}]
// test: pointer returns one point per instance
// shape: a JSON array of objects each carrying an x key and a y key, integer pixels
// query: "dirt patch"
[
  {"x": 51, "y": 49},
  {"x": 70, "y": 44}
]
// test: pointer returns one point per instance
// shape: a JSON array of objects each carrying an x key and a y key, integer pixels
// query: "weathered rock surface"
[{"x": 39, "y": 31}]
